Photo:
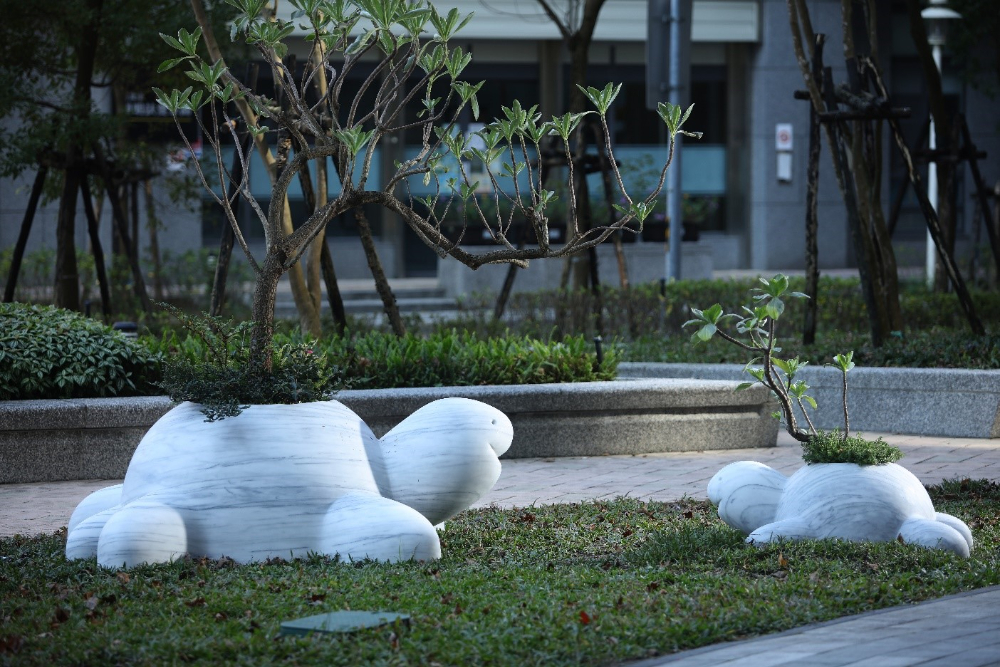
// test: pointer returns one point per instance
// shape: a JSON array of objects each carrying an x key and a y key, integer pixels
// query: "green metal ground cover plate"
[{"x": 341, "y": 621}]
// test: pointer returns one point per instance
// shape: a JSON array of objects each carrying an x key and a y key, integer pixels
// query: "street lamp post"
[{"x": 937, "y": 16}]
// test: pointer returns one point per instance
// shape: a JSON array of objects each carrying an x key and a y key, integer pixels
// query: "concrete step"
[{"x": 360, "y": 296}]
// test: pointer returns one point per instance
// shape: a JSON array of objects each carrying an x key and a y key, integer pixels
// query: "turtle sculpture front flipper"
[
  {"x": 834, "y": 500},
  {"x": 287, "y": 480}
]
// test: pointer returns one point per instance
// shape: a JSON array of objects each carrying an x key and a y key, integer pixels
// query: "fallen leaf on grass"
[{"x": 11, "y": 643}]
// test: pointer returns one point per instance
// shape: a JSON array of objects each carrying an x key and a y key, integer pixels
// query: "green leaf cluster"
[
  {"x": 213, "y": 367},
  {"x": 757, "y": 326},
  {"x": 47, "y": 352},
  {"x": 833, "y": 447}
]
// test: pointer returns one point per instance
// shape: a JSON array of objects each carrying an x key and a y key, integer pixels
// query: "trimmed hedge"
[
  {"x": 378, "y": 360},
  {"x": 936, "y": 348},
  {"x": 47, "y": 352},
  {"x": 840, "y": 308}
]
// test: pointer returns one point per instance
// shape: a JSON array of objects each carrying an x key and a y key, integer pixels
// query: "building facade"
[{"x": 744, "y": 181}]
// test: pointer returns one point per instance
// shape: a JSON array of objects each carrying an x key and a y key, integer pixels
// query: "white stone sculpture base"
[
  {"x": 286, "y": 480},
  {"x": 834, "y": 500}
]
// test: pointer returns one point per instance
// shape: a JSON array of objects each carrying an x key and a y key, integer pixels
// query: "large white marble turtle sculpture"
[
  {"x": 876, "y": 503},
  {"x": 287, "y": 480}
]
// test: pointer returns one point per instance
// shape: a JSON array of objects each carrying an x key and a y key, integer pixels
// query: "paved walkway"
[{"x": 959, "y": 630}]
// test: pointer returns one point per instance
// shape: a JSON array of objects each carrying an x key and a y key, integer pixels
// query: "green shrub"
[
  {"x": 833, "y": 447},
  {"x": 378, "y": 360},
  {"x": 212, "y": 366},
  {"x": 47, "y": 352}
]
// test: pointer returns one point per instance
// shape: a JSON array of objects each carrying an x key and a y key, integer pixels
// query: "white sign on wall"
[{"x": 783, "y": 137}]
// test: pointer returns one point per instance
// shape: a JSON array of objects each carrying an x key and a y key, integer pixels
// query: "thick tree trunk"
[
  {"x": 97, "y": 250},
  {"x": 67, "y": 287},
  {"x": 22, "y": 237},
  {"x": 262, "y": 312}
]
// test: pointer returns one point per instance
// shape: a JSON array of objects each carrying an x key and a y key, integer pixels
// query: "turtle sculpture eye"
[
  {"x": 878, "y": 503},
  {"x": 293, "y": 479}
]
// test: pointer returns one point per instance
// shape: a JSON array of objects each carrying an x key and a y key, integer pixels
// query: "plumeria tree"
[{"x": 403, "y": 47}]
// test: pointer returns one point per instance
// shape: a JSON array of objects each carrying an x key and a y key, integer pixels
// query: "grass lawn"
[{"x": 566, "y": 584}]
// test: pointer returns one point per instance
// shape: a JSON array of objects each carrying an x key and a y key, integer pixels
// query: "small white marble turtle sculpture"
[
  {"x": 877, "y": 503},
  {"x": 288, "y": 480}
]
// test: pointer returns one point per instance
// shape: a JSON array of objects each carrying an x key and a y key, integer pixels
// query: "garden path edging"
[
  {"x": 950, "y": 402},
  {"x": 42, "y": 441}
]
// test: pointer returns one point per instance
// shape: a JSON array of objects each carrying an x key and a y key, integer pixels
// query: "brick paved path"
[{"x": 41, "y": 508}]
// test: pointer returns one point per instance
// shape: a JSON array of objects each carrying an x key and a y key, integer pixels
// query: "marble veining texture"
[
  {"x": 834, "y": 500},
  {"x": 285, "y": 480}
]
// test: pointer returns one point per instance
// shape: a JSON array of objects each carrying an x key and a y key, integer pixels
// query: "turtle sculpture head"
[
  {"x": 287, "y": 480},
  {"x": 847, "y": 501}
]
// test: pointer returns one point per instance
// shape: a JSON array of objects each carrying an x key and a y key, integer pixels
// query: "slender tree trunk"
[
  {"x": 946, "y": 209},
  {"x": 121, "y": 222},
  {"x": 944, "y": 137},
  {"x": 97, "y": 250},
  {"x": 308, "y": 313},
  {"x": 508, "y": 282},
  {"x": 578, "y": 43},
  {"x": 981, "y": 194},
  {"x": 616, "y": 238},
  {"x": 333, "y": 295},
  {"x": 381, "y": 282},
  {"x": 851, "y": 148},
  {"x": 133, "y": 193},
  {"x": 228, "y": 238},
  {"x": 22, "y": 237},
  {"x": 218, "y": 298},
  {"x": 812, "y": 221},
  {"x": 153, "y": 225}
]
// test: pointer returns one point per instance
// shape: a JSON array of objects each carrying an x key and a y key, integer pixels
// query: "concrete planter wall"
[
  {"x": 920, "y": 401},
  {"x": 95, "y": 438}
]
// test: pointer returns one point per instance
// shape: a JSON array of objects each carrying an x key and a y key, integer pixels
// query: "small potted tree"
[
  {"x": 254, "y": 463},
  {"x": 850, "y": 487}
]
